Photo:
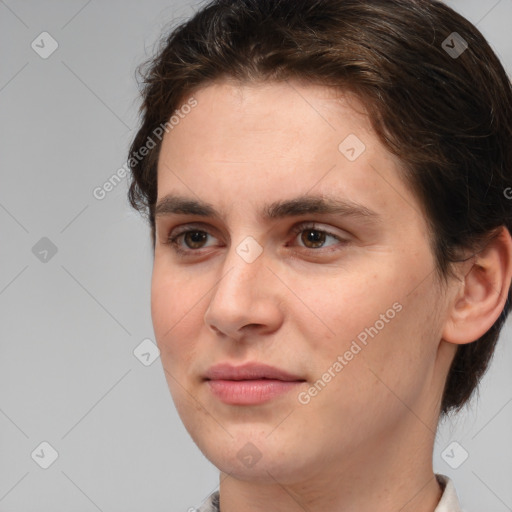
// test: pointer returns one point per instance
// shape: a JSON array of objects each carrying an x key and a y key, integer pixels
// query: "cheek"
[
  {"x": 175, "y": 339},
  {"x": 399, "y": 356},
  {"x": 163, "y": 301},
  {"x": 341, "y": 307},
  {"x": 374, "y": 316},
  {"x": 174, "y": 313}
]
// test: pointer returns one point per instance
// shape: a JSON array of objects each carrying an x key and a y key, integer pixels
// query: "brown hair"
[{"x": 448, "y": 117}]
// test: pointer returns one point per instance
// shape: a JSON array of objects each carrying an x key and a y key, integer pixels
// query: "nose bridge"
[
  {"x": 242, "y": 268},
  {"x": 233, "y": 302}
]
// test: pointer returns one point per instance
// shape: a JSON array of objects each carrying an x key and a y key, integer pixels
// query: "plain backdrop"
[{"x": 75, "y": 281}]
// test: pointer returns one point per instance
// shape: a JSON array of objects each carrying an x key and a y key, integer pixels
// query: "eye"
[
  {"x": 193, "y": 237},
  {"x": 312, "y": 237}
]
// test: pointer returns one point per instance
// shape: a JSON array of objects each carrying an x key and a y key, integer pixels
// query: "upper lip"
[{"x": 248, "y": 371}]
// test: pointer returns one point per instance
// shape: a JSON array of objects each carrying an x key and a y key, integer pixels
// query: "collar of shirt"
[{"x": 449, "y": 501}]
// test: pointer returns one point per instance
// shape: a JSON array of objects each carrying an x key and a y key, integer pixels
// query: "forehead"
[
  {"x": 267, "y": 119},
  {"x": 254, "y": 145}
]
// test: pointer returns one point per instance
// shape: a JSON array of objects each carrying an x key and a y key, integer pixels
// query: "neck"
[{"x": 388, "y": 474}]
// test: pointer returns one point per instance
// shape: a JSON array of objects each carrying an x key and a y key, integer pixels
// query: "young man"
[{"x": 325, "y": 182}]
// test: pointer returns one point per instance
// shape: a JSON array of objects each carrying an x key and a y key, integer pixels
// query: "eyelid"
[
  {"x": 316, "y": 226},
  {"x": 190, "y": 227}
]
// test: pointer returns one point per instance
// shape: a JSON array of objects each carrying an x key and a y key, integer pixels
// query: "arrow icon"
[
  {"x": 249, "y": 454},
  {"x": 247, "y": 252},
  {"x": 146, "y": 352},
  {"x": 455, "y": 45},
  {"x": 351, "y": 147},
  {"x": 454, "y": 455},
  {"x": 44, "y": 250},
  {"x": 44, "y": 455},
  {"x": 44, "y": 45}
]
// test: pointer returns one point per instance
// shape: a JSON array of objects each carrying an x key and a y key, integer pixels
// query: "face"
[{"x": 343, "y": 299}]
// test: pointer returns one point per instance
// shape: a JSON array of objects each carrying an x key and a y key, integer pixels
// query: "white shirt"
[{"x": 449, "y": 501}]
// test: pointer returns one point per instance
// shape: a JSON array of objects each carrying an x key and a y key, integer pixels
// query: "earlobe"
[{"x": 483, "y": 292}]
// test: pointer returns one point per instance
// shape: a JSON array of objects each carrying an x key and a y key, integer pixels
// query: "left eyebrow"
[{"x": 302, "y": 205}]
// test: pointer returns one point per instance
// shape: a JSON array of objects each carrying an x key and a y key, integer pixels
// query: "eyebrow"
[{"x": 173, "y": 204}]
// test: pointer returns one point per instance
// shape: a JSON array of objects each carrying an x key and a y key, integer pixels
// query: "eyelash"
[{"x": 173, "y": 240}]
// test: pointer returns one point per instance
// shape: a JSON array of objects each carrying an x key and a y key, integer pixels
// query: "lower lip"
[{"x": 250, "y": 392}]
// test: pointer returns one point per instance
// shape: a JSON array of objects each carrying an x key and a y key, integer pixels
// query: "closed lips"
[{"x": 249, "y": 371}]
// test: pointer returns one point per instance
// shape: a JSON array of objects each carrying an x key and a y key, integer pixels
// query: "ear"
[{"x": 483, "y": 292}]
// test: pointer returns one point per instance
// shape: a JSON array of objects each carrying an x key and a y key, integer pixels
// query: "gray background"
[{"x": 69, "y": 325}]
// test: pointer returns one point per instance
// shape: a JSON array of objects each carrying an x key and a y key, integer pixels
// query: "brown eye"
[
  {"x": 194, "y": 239},
  {"x": 188, "y": 241},
  {"x": 314, "y": 237}
]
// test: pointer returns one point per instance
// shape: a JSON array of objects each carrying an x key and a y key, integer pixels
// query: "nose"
[{"x": 245, "y": 300}]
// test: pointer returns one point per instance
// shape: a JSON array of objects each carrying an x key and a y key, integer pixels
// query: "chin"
[{"x": 258, "y": 458}]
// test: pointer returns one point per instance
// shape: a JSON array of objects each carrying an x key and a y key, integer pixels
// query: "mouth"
[
  {"x": 249, "y": 384},
  {"x": 249, "y": 371}
]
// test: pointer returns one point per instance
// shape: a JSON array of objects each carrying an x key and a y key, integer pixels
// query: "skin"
[{"x": 298, "y": 307}]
